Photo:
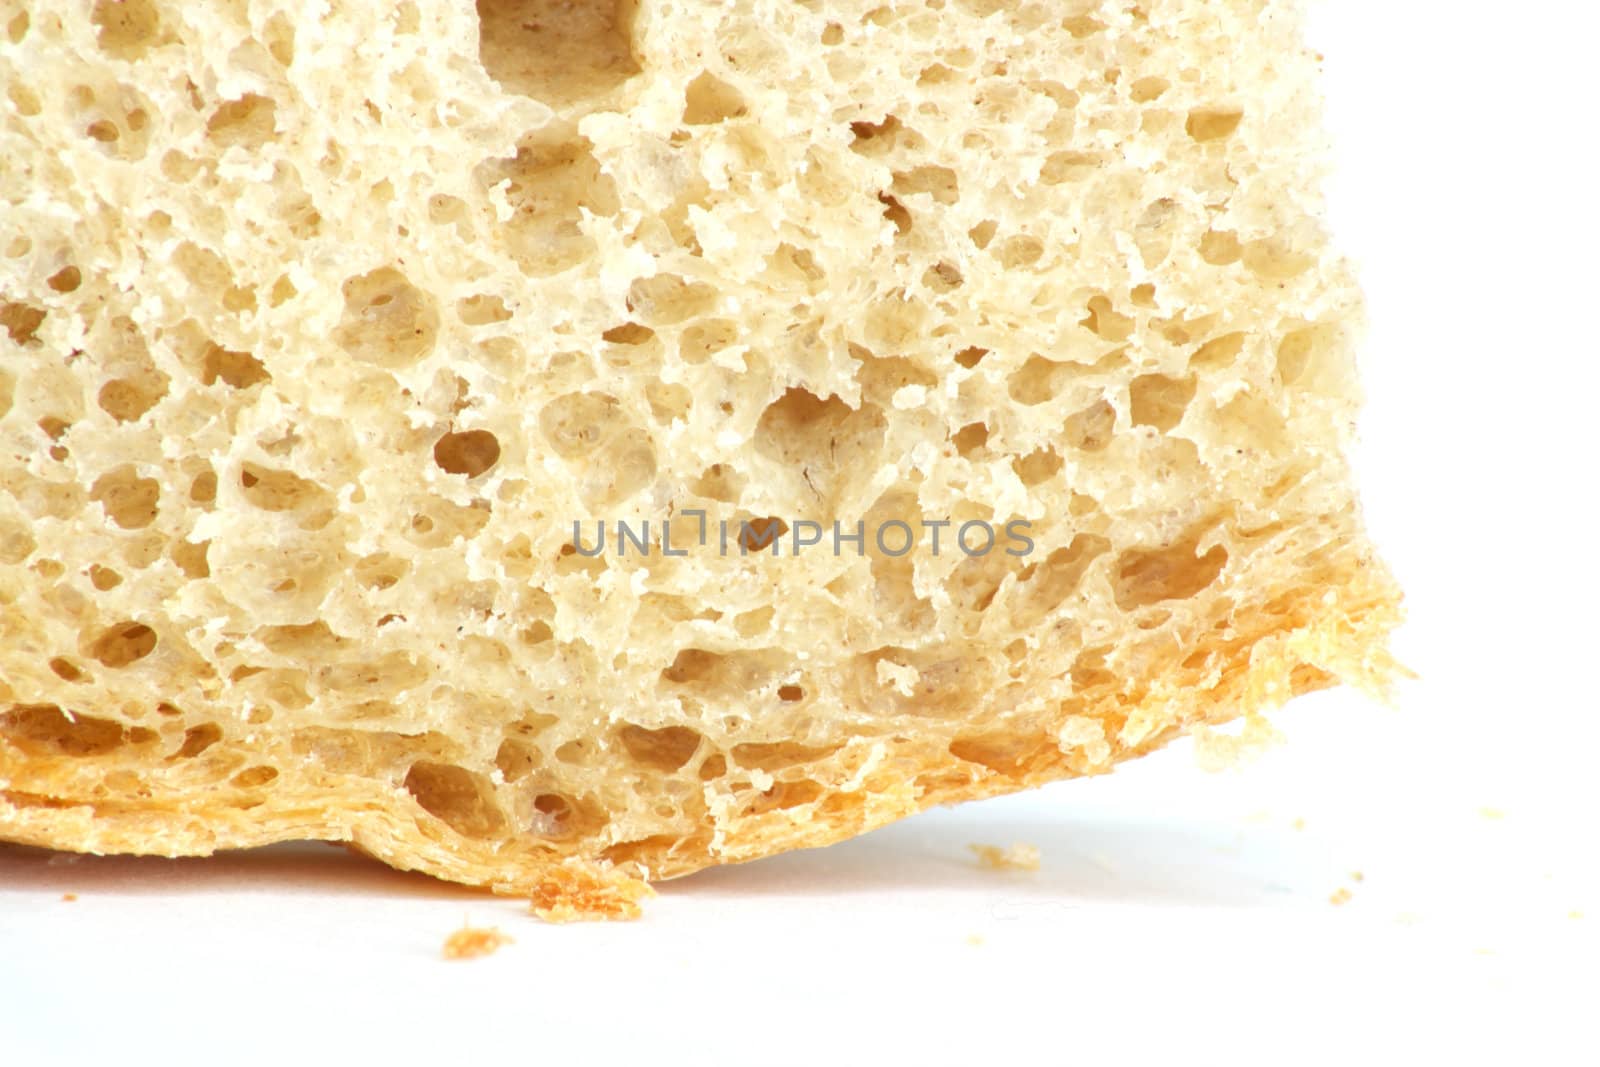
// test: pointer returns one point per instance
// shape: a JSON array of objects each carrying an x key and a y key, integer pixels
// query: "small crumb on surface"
[
  {"x": 1357, "y": 876},
  {"x": 974, "y": 939},
  {"x": 69, "y": 897},
  {"x": 470, "y": 942},
  {"x": 1340, "y": 896},
  {"x": 1299, "y": 824},
  {"x": 1492, "y": 814},
  {"x": 1574, "y": 914},
  {"x": 1016, "y": 858}
]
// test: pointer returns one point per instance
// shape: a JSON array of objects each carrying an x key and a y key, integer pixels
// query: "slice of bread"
[{"x": 325, "y": 324}]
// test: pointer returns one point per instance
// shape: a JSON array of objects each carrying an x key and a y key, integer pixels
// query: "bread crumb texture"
[
  {"x": 471, "y": 942},
  {"x": 322, "y": 324},
  {"x": 1016, "y": 858}
]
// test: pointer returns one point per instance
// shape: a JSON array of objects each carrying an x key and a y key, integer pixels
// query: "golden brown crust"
[{"x": 1305, "y": 652}]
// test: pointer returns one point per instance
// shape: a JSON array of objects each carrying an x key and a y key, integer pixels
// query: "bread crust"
[{"x": 50, "y": 803}]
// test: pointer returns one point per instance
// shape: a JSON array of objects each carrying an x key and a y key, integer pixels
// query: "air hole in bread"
[
  {"x": 560, "y": 52},
  {"x": 129, "y": 500},
  {"x": 700, "y": 340},
  {"x": 278, "y": 490},
  {"x": 254, "y": 777},
  {"x": 1019, "y": 250},
  {"x": 279, "y": 37},
  {"x": 128, "y": 399},
  {"x": 65, "y": 280},
  {"x": 65, "y": 670},
  {"x": 763, "y": 534},
  {"x": 1037, "y": 381},
  {"x": 553, "y": 815},
  {"x": 1091, "y": 429},
  {"x": 461, "y": 798},
  {"x": 970, "y": 357},
  {"x": 21, "y": 321},
  {"x": 516, "y": 759},
  {"x": 482, "y": 309},
  {"x": 1219, "y": 351},
  {"x": 932, "y": 180},
  {"x": 668, "y": 299},
  {"x": 896, "y": 213},
  {"x": 668, "y": 402},
  {"x": 104, "y": 578},
  {"x": 250, "y": 121},
  {"x": 468, "y": 452},
  {"x": 1104, "y": 322},
  {"x": 783, "y": 795},
  {"x": 1220, "y": 248},
  {"x": 1212, "y": 123},
  {"x": 1159, "y": 401},
  {"x": 629, "y": 333},
  {"x": 196, "y": 739},
  {"x": 123, "y": 645},
  {"x": 773, "y": 756},
  {"x": 709, "y": 100},
  {"x": 970, "y": 438},
  {"x": 692, "y": 665},
  {"x": 47, "y": 729},
  {"x": 127, "y": 28},
  {"x": 1043, "y": 587},
  {"x": 1004, "y": 754},
  {"x": 550, "y": 183},
  {"x": 819, "y": 441},
  {"x": 238, "y": 370},
  {"x": 387, "y": 320},
  {"x": 942, "y": 277},
  {"x": 1276, "y": 258},
  {"x": 203, "y": 489},
  {"x": 1037, "y": 467},
  {"x": 191, "y": 558},
  {"x": 1144, "y": 90},
  {"x": 1300, "y": 351},
  {"x": 664, "y": 749},
  {"x": 1149, "y": 576},
  {"x": 642, "y": 851}
]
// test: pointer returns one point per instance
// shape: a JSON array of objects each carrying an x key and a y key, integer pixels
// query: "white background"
[{"x": 1177, "y": 914}]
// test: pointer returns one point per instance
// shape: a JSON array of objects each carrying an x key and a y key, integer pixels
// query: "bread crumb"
[
  {"x": 1016, "y": 858},
  {"x": 1574, "y": 914},
  {"x": 1299, "y": 824},
  {"x": 1357, "y": 876},
  {"x": 470, "y": 942},
  {"x": 1492, "y": 814},
  {"x": 69, "y": 897},
  {"x": 974, "y": 939},
  {"x": 1340, "y": 896}
]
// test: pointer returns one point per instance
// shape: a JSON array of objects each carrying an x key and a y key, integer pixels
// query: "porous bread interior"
[{"x": 323, "y": 323}]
